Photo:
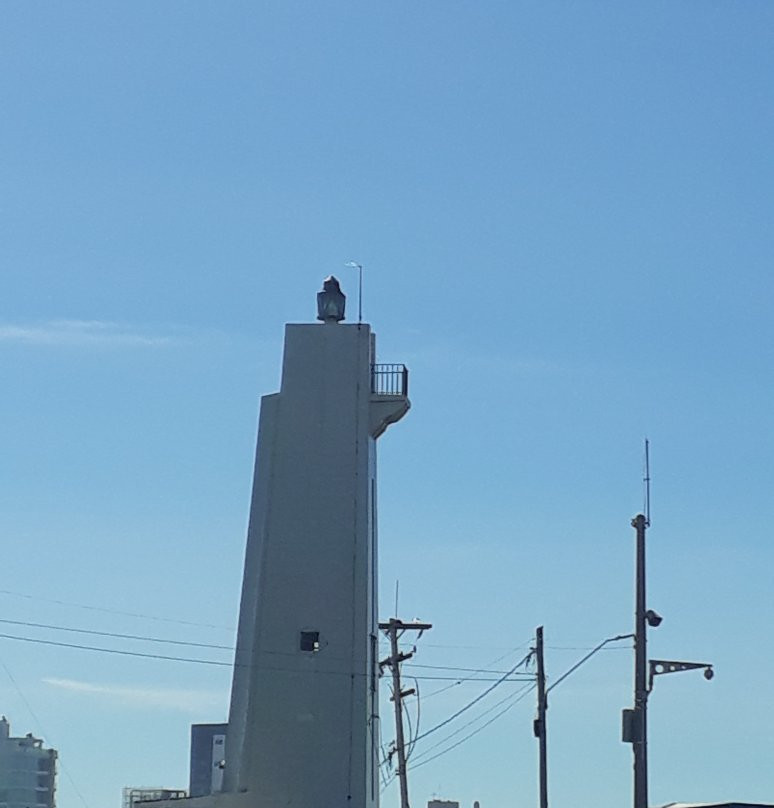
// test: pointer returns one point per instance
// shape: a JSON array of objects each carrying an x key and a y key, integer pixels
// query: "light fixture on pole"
[
  {"x": 659, "y": 666},
  {"x": 359, "y": 268},
  {"x": 635, "y": 720}
]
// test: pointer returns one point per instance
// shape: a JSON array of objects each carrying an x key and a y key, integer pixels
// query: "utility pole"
[
  {"x": 539, "y": 726},
  {"x": 394, "y": 629}
]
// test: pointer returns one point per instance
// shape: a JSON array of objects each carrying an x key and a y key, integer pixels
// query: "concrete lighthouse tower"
[{"x": 303, "y": 724}]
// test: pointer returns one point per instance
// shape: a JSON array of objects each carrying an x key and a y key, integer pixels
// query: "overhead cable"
[
  {"x": 113, "y": 611},
  {"x": 162, "y": 640},
  {"x": 477, "y": 699},
  {"x": 116, "y": 635},
  {"x": 475, "y": 720},
  {"x": 479, "y": 670},
  {"x": 40, "y": 729},
  {"x": 215, "y": 662},
  {"x": 475, "y": 732}
]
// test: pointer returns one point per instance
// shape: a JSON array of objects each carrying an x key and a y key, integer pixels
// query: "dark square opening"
[{"x": 310, "y": 641}]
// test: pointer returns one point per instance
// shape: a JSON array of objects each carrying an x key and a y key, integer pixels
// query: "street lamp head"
[
  {"x": 708, "y": 672},
  {"x": 654, "y": 620}
]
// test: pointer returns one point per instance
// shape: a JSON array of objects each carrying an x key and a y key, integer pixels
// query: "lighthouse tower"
[{"x": 303, "y": 726}]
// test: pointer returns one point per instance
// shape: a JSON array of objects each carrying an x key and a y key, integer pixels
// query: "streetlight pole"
[
  {"x": 640, "y": 736},
  {"x": 635, "y": 721}
]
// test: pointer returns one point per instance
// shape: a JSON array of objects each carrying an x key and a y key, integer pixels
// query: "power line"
[
  {"x": 43, "y": 732},
  {"x": 113, "y": 650},
  {"x": 476, "y": 700},
  {"x": 452, "y": 668},
  {"x": 116, "y": 635},
  {"x": 413, "y": 741},
  {"x": 113, "y": 611},
  {"x": 475, "y": 720},
  {"x": 478, "y": 647},
  {"x": 583, "y": 648},
  {"x": 215, "y": 662},
  {"x": 178, "y": 621},
  {"x": 475, "y": 732},
  {"x": 388, "y": 782},
  {"x": 480, "y": 670},
  {"x": 161, "y": 640}
]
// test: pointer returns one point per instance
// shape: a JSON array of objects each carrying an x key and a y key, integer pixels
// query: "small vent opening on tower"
[{"x": 310, "y": 641}]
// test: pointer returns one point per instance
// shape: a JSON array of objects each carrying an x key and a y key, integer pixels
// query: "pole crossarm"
[
  {"x": 400, "y": 625},
  {"x": 657, "y": 667}
]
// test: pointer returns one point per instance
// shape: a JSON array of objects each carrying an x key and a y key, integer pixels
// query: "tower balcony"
[
  {"x": 389, "y": 380},
  {"x": 389, "y": 396}
]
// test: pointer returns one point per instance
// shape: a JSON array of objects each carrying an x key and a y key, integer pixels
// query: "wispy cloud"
[
  {"x": 176, "y": 699},
  {"x": 85, "y": 332}
]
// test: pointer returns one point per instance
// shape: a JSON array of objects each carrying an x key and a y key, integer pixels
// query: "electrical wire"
[
  {"x": 480, "y": 670},
  {"x": 213, "y": 662},
  {"x": 114, "y": 650},
  {"x": 113, "y": 611},
  {"x": 42, "y": 731},
  {"x": 419, "y": 716},
  {"x": 116, "y": 635},
  {"x": 582, "y": 648},
  {"x": 450, "y": 668},
  {"x": 215, "y": 646},
  {"x": 477, "y": 699},
  {"x": 390, "y": 780},
  {"x": 475, "y": 732},
  {"x": 475, "y": 647},
  {"x": 475, "y": 720},
  {"x": 383, "y": 763},
  {"x": 411, "y": 738},
  {"x": 456, "y": 681}
]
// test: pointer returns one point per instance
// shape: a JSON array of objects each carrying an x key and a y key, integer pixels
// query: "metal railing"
[{"x": 389, "y": 380}]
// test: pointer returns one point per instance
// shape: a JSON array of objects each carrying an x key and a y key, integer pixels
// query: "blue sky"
[{"x": 564, "y": 212}]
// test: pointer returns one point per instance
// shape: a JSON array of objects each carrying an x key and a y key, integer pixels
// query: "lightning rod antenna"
[
  {"x": 359, "y": 268},
  {"x": 646, "y": 481}
]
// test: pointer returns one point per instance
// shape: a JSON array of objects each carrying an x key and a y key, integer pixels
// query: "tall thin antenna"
[
  {"x": 397, "y": 585},
  {"x": 646, "y": 482},
  {"x": 359, "y": 268}
]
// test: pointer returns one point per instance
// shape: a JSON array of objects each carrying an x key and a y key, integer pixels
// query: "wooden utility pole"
[
  {"x": 394, "y": 629},
  {"x": 540, "y": 722}
]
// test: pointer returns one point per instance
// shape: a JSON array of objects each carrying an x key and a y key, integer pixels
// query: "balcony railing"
[{"x": 389, "y": 380}]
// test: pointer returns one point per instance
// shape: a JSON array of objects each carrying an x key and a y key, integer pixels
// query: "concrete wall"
[
  {"x": 302, "y": 725},
  {"x": 208, "y": 750}
]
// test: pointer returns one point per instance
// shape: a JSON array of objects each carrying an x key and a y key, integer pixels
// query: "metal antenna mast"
[
  {"x": 646, "y": 481},
  {"x": 635, "y": 720},
  {"x": 359, "y": 268}
]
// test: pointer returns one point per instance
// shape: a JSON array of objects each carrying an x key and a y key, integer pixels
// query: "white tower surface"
[{"x": 303, "y": 726}]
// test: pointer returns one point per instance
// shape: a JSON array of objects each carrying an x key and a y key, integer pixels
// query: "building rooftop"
[{"x": 717, "y": 805}]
